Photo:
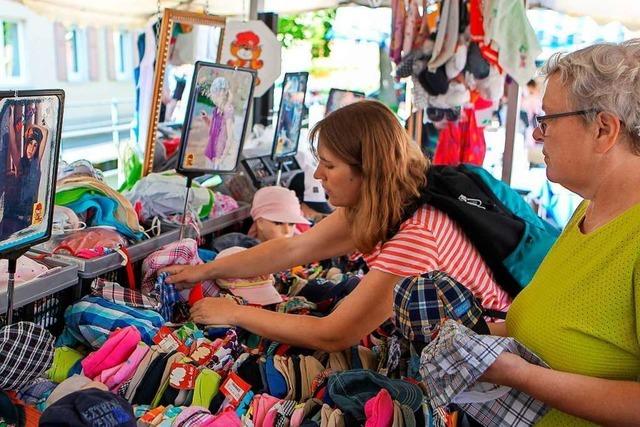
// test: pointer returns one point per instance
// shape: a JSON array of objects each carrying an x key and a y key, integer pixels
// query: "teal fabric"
[
  {"x": 538, "y": 236},
  {"x": 103, "y": 210}
]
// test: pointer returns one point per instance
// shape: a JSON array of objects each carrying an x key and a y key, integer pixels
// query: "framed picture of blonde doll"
[{"x": 216, "y": 119}]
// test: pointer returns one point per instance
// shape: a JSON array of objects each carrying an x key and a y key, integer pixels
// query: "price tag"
[
  {"x": 183, "y": 376},
  {"x": 234, "y": 388},
  {"x": 168, "y": 342},
  {"x": 203, "y": 354}
]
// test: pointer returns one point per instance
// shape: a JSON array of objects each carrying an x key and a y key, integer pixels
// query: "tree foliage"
[{"x": 312, "y": 26}]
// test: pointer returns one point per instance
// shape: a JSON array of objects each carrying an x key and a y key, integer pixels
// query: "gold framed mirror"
[{"x": 184, "y": 38}]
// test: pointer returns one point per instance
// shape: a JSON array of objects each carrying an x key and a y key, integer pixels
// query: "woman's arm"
[
  {"x": 42, "y": 145},
  {"x": 327, "y": 239},
  {"x": 360, "y": 313},
  {"x": 605, "y": 402},
  {"x": 14, "y": 151}
]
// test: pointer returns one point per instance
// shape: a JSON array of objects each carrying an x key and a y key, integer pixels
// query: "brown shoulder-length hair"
[{"x": 367, "y": 136}]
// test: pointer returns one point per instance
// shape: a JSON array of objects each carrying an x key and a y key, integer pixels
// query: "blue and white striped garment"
[
  {"x": 92, "y": 319},
  {"x": 167, "y": 294}
]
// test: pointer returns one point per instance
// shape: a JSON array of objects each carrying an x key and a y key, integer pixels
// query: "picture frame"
[
  {"x": 287, "y": 129},
  {"x": 30, "y": 131},
  {"x": 338, "y": 98},
  {"x": 216, "y": 120},
  {"x": 171, "y": 18}
]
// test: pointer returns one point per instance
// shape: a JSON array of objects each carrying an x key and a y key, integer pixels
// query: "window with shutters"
[
  {"x": 11, "y": 52},
  {"x": 123, "y": 55},
  {"x": 76, "y": 54}
]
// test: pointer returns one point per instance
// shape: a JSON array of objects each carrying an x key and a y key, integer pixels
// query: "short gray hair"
[{"x": 603, "y": 77}]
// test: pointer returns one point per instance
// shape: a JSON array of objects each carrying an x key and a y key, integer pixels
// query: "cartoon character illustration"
[
  {"x": 38, "y": 214},
  {"x": 246, "y": 49},
  {"x": 220, "y": 122}
]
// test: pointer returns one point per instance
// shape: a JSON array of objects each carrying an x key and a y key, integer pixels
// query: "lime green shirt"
[{"x": 581, "y": 310}]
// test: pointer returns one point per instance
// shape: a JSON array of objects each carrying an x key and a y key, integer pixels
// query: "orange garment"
[{"x": 31, "y": 414}]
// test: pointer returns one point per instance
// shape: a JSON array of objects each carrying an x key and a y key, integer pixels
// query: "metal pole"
[
  {"x": 184, "y": 211},
  {"x": 11, "y": 283},
  {"x": 279, "y": 175},
  {"x": 114, "y": 122},
  {"x": 255, "y": 6},
  {"x": 513, "y": 112},
  {"x": 115, "y": 137}
]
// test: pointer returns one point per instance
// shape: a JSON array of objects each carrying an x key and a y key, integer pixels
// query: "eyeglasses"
[
  {"x": 439, "y": 114},
  {"x": 541, "y": 120}
]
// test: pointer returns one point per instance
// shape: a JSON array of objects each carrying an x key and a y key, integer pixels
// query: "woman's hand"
[
  {"x": 214, "y": 311},
  {"x": 509, "y": 369},
  {"x": 601, "y": 401},
  {"x": 187, "y": 276}
]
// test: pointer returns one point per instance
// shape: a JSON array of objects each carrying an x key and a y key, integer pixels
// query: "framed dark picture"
[
  {"x": 287, "y": 134},
  {"x": 216, "y": 118},
  {"x": 30, "y": 127},
  {"x": 338, "y": 98},
  {"x": 257, "y": 168}
]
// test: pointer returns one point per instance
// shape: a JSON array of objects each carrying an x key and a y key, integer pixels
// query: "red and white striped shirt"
[{"x": 429, "y": 241}]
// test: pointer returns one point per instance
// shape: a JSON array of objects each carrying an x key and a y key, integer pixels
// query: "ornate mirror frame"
[{"x": 169, "y": 18}]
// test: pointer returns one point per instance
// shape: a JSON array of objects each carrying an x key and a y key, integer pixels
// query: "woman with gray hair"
[{"x": 581, "y": 311}]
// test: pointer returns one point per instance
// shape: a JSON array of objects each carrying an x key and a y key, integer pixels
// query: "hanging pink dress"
[{"x": 218, "y": 132}]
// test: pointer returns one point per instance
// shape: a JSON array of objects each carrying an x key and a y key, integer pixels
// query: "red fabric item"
[
  {"x": 321, "y": 393},
  {"x": 491, "y": 55},
  {"x": 283, "y": 349},
  {"x": 449, "y": 145},
  {"x": 476, "y": 20},
  {"x": 476, "y": 28},
  {"x": 87, "y": 253},
  {"x": 131, "y": 277},
  {"x": 474, "y": 146},
  {"x": 196, "y": 294},
  {"x": 461, "y": 142},
  {"x": 137, "y": 206},
  {"x": 481, "y": 103}
]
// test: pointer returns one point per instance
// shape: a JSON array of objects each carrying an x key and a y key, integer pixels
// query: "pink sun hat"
[
  {"x": 255, "y": 290},
  {"x": 277, "y": 204}
]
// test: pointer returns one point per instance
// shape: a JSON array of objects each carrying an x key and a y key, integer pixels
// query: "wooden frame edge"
[{"x": 162, "y": 51}]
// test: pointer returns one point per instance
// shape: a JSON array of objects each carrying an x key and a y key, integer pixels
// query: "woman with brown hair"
[{"x": 371, "y": 171}]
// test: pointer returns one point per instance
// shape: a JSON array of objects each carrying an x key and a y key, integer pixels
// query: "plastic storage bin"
[
  {"x": 43, "y": 300},
  {"x": 111, "y": 266}
]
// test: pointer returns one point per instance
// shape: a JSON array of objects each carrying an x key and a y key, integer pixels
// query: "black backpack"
[{"x": 510, "y": 237}]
